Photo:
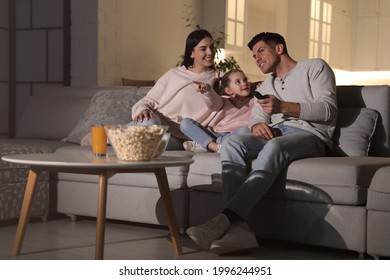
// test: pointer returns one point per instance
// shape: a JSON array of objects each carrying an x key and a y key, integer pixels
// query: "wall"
[
  {"x": 138, "y": 39},
  {"x": 4, "y": 62},
  {"x": 31, "y": 53},
  {"x": 110, "y": 41},
  {"x": 298, "y": 29},
  {"x": 84, "y": 43},
  {"x": 141, "y": 39},
  {"x": 262, "y": 15}
]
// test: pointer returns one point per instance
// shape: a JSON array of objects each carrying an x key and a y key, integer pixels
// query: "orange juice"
[{"x": 99, "y": 141}]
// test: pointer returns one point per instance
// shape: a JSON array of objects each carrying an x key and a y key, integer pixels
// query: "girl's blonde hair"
[{"x": 221, "y": 83}]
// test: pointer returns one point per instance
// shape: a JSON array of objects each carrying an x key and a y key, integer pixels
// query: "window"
[
  {"x": 320, "y": 29},
  {"x": 235, "y": 23}
]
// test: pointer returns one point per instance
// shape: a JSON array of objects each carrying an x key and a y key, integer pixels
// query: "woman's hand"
[
  {"x": 145, "y": 114},
  {"x": 202, "y": 87}
]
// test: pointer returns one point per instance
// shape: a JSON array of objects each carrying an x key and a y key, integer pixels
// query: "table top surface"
[{"x": 89, "y": 161}]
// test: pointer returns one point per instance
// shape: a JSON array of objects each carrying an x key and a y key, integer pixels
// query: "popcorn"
[{"x": 135, "y": 142}]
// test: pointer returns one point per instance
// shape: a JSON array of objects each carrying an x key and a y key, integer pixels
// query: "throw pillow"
[
  {"x": 354, "y": 130},
  {"x": 106, "y": 107}
]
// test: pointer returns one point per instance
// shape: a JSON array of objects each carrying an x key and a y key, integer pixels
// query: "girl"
[{"x": 231, "y": 97}]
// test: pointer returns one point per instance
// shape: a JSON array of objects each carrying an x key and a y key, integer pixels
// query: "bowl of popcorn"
[{"x": 138, "y": 142}]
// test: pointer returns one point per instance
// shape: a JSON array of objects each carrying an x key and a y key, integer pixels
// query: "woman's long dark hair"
[{"x": 192, "y": 41}]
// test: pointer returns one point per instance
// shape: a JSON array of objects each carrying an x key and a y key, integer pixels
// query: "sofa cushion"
[
  {"x": 106, "y": 107},
  {"x": 205, "y": 171},
  {"x": 374, "y": 97},
  {"x": 379, "y": 191},
  {"x": 354, "y": 131},
  {"x": 49, "y": 117},
  {"x": 337, "y": 180},
  {"x": 45, "y": 146}
]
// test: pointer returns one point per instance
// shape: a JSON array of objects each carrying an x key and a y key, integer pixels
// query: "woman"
[{"x": 175, "y": 97}]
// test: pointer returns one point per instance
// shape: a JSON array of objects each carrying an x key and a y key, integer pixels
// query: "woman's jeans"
[
  {"x": 242, "y": 191},
  {"x": 203, "y": 135}
]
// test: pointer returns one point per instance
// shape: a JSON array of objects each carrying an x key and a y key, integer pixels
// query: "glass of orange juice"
[{"x": 99, "y": 141}]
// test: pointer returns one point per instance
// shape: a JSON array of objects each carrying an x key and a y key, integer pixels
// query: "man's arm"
[{"x": 272, "y": 105}]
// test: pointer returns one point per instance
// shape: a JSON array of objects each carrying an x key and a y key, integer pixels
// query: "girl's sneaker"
[{"x": 192, "y": 146}]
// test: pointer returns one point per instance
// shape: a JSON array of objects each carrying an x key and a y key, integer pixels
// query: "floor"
[{"x": 61, "y": 239}]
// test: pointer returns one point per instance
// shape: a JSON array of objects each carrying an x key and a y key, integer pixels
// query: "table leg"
[
  {"x": 163, "y": 186},
  {"x": 101, "y": 216},
  {"x": 31, "y": 186}
]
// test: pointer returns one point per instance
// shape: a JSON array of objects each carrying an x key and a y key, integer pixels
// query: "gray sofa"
[
  {"x": 321, "y": 201},
  {"x": 331, "y": 201},
  {"x": 54, "y": 119}
]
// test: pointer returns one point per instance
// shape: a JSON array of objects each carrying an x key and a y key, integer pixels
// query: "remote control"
[{"x": 257, "y": 94}]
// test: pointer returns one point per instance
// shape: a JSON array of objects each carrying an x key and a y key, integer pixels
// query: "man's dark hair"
[{"x": 271, "y": 39}]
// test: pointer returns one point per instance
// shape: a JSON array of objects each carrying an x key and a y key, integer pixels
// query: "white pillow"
[
  {"x": 354, "y": 130},
  {"x": 106, "y": 107}
]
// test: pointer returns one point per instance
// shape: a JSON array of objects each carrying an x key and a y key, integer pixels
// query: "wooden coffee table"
[{"x": 104, "y": 168}]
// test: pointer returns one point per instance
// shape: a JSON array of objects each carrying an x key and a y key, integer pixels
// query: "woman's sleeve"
[
  {"x": 213, "y": 100},
  {"x": 151, "y": 101}
]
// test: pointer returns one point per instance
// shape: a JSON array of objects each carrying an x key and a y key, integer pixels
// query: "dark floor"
[{"x": 61, "y": 239}]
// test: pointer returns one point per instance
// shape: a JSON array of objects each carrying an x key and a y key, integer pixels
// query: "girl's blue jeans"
[{"x": 203, "y": 135}]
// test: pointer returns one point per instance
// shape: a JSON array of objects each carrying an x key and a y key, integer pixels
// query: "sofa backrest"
[
  {"x": 52, "y": 112},
  {"x": 374, "y": 97}
]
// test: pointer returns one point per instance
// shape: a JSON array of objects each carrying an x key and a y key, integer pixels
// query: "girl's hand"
[
  {"x": 258, "y": 84},
  {"x": 202, "y": 87},
  {"x": 145, "y": 114}
]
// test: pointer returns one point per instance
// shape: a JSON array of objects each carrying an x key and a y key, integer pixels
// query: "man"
[{"x": 295, "y": 120}]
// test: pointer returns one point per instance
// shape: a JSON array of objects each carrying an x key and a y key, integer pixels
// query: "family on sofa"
[
  {"x": 295, "y": 120},
  {"x": 309, "y": 191}
]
